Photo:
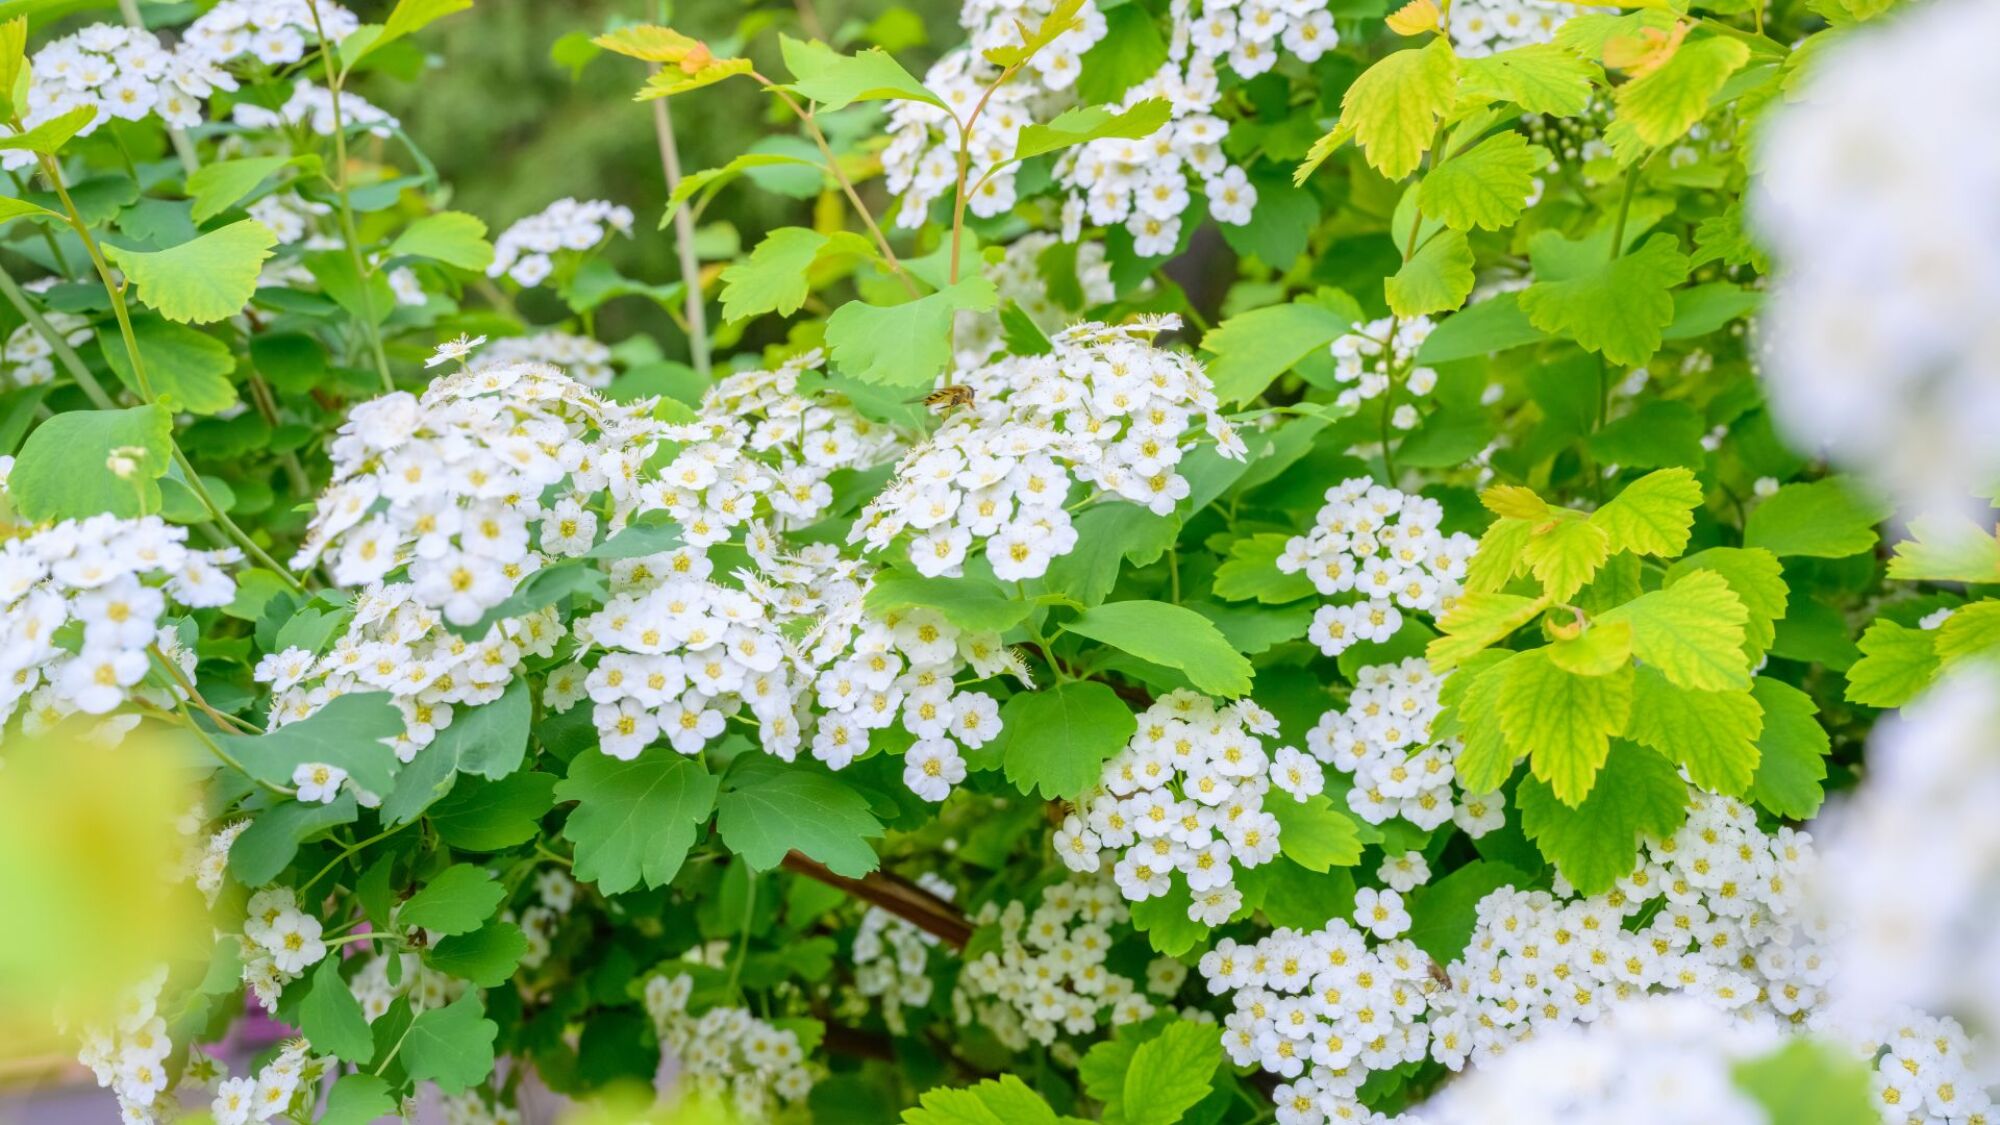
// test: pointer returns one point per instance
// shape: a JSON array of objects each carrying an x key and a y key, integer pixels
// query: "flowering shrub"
[{"x": 1263, "y": 560}]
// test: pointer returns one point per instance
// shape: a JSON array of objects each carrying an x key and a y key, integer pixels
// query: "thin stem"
[
  {"x": 670, "y": 164},
  {"x": 1624, "y": 210},
  {"x": 743, "y": 937},
  {"x": 348, "y": 231},
  {"x": 71, "y": 362},
  {"x": 48, "y": 236},
  {"x": 959, "y": 199},
  {"x": 195, "y": 697},
  {"x": 846, "y": 185},
  {"x": 348, "y": 851},
  {"x": 225, "y": 756}
]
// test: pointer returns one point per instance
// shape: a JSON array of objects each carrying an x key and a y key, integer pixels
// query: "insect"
[
  {"x": 1438, "y": 975},
  {"x": 947, "y": 397}
]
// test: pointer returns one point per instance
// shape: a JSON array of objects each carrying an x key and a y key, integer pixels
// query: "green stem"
[
  {"x": 743, "y": 939},
  {"x": 348, "y": 231},
  {"x": 846, "y": 185},
  {"x": 348, "y": 851},
  {"x": 225, "y": 756},
  {"x": 73, "y": 363}
]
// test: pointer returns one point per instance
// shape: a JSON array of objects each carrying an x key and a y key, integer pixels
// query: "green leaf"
[
  {"x": 1566, "y": 555},
  {"x": 1170, "y": 635},
  {"x": 768, "y": 808},
  {"x": 1655, "y": 435},
  {"x": 1108, "y": 535},
  {"x": 208, "y": 279},
  {"x": 1540, "y": 78},
  {"x": 50, "y": 136},
  {"x": 1653, "y": 515},
  {"x": 1253, "y": 348},
  {"x": 1757, "y": 580},
  {"x": 974, "y": 604},
  {"x": 1394, "y": 108},
  {"x": 357, "y": 1099},
  {"x": 486, "y": 957},
  {"x": 712, "y": 180},
  {"x": 1170, "y": 1073},
  {"x": 1792, "y": 751},
  {"x": 486, "y": 816},
  {"x": 1595, "y": 844},
  {"x": 1478, "y": 621},
  {"x": 1661, "y": 106},
  {"x": 331, "y": 1017},
  {"x": 1056, "y": 741},
  {"x": 1485, "y": 187},
  {"x": 1005, "y": 1100},
  {"x": 1437, "y": 278},
  {"x": 1712, "y": 733},
  {"x": 1971, "y": 631},
  {"x": 217, "y": 187},
  {"x": 1314, "y": 834},
  {"x": 1807, "y": 1082},
  {"x": 491, "y": 740},
  {"x": 451, "y": 1046},
  {"x": 1826, "y": 519},
  {"x": 1020, "y": 334},
  {"x": 187, "y": 369},
  {"x": 1484, "y": 328},
  {"x": 837, "y": 81},
  {"x": 1563, "y": 722},
  {"x": 1691, "y": 631},
  {"x": 1085, "y": 123},
  {"x": 634, "y": 820},
  {"x": 1947, "y": 548},
  {"x": 1444, "y": 911},
  {"x": 773, "y": 278},
  {"x": 904, "y": 345},
  {"x": 1251, "y": 572},
  {"x": 452, "y": 237},
  {"x": 458, "y": 900},
  {"x": 1486, "y": 759},
  {"x": 348, "y": 732},
  {"x": 1164, "y": 920},
  {"x": 1897, "y": 663},
  {"x": 1103, "y": 1071},
  {"x": 1617, "y": 309},
  {"x": 408, "y": 17},
  {"x": 62, "y": 471},
  {"x": 1131, "y": 51},
  {"x": 273, "y": 838}
]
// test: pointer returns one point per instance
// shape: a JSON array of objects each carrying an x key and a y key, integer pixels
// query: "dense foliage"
[{"x": 1239, "y": 562}]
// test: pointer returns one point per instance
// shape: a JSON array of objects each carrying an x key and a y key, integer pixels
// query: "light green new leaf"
[
  {"x": 1172, "y": 635},
  {"x": 712, "y": 180},
  {"x": 1971, "y": 631},
  {"x": 1599, "y": 650},
  {"x": 1825, "y": 519},
  {"x": 1758, "y": 581},
  {"x": 1661, "y": 106},
  {"x": 216, "y": 187},
  {"x": 1437, "y": 278},
  {"x": 357, "y": 1099},
  {"x": 1314, "y": 834},
  {"x": 1540, "y": 78},
  {"x": 49, "y": 137},
  {"x": 1566, "y": 555},
  {"x": 1478, "y": 621},
  {"x": 1897, "y": 663},
  {"x": 207, "y": 279},
  {"x": 1653, "y": 515},
  {"x": 1563, "y": 722},
  {"x": 634, "y": 821},
  {"x": 452, "y": 237},
  {"x": 1712, "y": 733},
  {"x": 1393, "y": 109},
  {"x": 1169, "y": 1073},
  {"x": 1595, "y": 844},
  {"x": 768, "y": 808},
  {"x": 1056, "y": 741},
  {"x": 1947, "y": 548},
  {"x": 1486, "y": 759},
  {"x": 407, "y": 18},
  {"x": 1691, "y": 631},
  {"x": 904, "y": 345},
  {"x": 1617, "y": 309},
  {"x": 1792, "y": 750},
  {"x": 1086, "y": 123},
  {"x": 1810, "y": 1082},
  {"x": 1487, "y": 186},
  {"x": 1253, "y": 348},
  {"x": 837, "y": 81},
  {"x": 188, "y": 370},
  {"x": 773, "y": 277},
  {"x": 457, "y": 901},
  {"x": 332, "y": 1019},
  {"x": 451, "y": 1046},
  {"x": 1005, "y": 1100},
  {"x": 64, "y": 469}
]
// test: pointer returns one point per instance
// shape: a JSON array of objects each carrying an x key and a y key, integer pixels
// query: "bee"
[
  {"x": 1438, "y": 976},
  {"x": 947, "y": 398}
]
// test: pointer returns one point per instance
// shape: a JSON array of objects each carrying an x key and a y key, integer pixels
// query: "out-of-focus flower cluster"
[
  {"x": 1049, "y": 975},
  {"x": 526, "y": 251},
  {"x": 311, "y": 107},
  {"x": 1022, "y": 275},
  {"x": 276, "y": 33},
  {"x": 728, "y": 1053}
]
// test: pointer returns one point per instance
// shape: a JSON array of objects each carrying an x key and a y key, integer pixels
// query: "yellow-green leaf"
[
  {"x": 1662, "y": 105},
  {"x": 1653, "y": 515},
  {"x": 1563, "y": 722},
  {"x": 1691, "y": 631},
  {"x": 1478, "y": 621},
  {"x": 206, "y": 279},
  {"x": 1599, "y": 650},
  {"x": 1395, "y": 106},
  {"x": 1486, "y": 187},
  {"x": 1437, "y": 278},
  {"x": 1712, "y": 733},
  {"x": 1540, "y": 78},
  {"x": 1565, "y": 555}
]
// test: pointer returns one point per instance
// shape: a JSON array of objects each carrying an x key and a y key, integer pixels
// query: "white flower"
[
  {"x": 318, "y": 782},
  {"x": 456, "y": 349}
]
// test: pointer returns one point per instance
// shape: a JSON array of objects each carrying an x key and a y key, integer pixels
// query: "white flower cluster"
[
  {"x": 891, "y": 956},
  {"x": 586, "y": 360},
  {"x": 473, "y": 1108},
  {"x": 120, "y": 72},
  {"x": 130, "y": 1055},
  {"x": 208, "y": 864},
  {"x": 396, "y": 644},
  {"x": 311, "y": 107},
  {"x": 1248, "y": 33},
  {"x": 31, "y": 359},
  {"x": 113, "y": 580},
  {"x": 1145, "y": 184},
  {"x": 1105, "y": 407},
  {"x": 801, "y": 439},
  {"x": 1925, "y": 1070},
  {"x": 1049, "y": 975},
  {"x": 423, "y": 987},
  {"x": 539, "y": 922},
  {"x": 279, "y": 943},
  {"x": 1883, "y": 328},
  {"x": 274, "y": 32},
  {"x": 293, "y": 219},
  {"x": 728, "y": 1052},
  {"x": 525, "y": 251},
  {"x": 1384, "y": 739},
  {"x": 1384, "y": 548},
  {"x": 1481, "y": 27},
  {"x": 1018, "y": 278},
  {"x": 1186, "y": 796},
  {"x": 1371, "y": 357},
  {"x": 271, "y": 1093},
  {"x": 477, "y": 483}
]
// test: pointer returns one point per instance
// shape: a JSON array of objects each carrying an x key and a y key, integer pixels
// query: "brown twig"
[{"x": 892, "y": 893}]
